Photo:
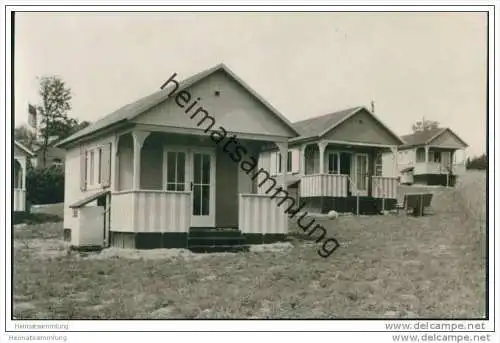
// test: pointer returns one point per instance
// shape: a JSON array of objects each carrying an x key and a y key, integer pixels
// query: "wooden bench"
[{"x": 415, "y": 201}]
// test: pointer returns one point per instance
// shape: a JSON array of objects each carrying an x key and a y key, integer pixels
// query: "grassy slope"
[{"x": 388, "y": 266}]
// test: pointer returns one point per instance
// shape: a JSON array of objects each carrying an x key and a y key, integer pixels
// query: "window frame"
[
  {"x": 332, "y": 170},
  {"x": 378, "y": 164},
  {"x": 165, "y": 171},
  {"x": 93, "y": 162},
  {"x": 289, "y": 166}
]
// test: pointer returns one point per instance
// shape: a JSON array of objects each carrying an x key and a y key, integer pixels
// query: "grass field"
[{"x": 387, "y": 266}]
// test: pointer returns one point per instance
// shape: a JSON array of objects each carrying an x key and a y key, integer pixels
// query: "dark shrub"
[
  {"x": 45, "y": 185},
  {"x": 479, "y": 163}
]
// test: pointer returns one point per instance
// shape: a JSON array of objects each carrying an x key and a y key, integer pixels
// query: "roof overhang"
[{"x": 23, "y": 148}]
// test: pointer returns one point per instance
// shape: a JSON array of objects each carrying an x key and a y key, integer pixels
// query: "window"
[
  {"x": 176, "y": 167},
  {"x": 378, "y": 165},
  {"x": 435, "y": 156},
  {"x": 279, "y": 161},
  {"x": 57, "y": 162},
  {"x": 420, "y": 155},
  {"x": 334, "y": 163},
  {"x": 99, "y": 163},
  {"x": 93, "y": 173}
]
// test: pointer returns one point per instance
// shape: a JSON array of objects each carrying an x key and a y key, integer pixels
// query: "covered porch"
[
  {"x": 171, "y": 184},
  {"x": 438, "y": 160},
  {"x": 335, "y": 173}
]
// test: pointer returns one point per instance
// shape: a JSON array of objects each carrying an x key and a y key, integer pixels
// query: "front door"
[
  {"x": 203, "y": 187},
  {"x": 361, "y": 173},
  {"x": 193, "y": 170}
]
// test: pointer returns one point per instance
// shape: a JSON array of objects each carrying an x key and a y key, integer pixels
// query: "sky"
[{"x": 412, "y": 65}]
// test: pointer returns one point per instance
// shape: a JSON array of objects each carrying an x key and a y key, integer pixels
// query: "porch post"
[
  {"x": 139, "y": 138},
  {"x": 452, "y": 157},
  {"x": 283, "y": 148},
  {"x": 426, "y": 159},
  {"x": 395, "y": 170},
  {"x": 303, "y": 159},
  {"x": 322, "y": 146},
  {"x": 115, "y": 162}
]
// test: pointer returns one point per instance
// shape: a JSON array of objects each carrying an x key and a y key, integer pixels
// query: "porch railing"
[
  {"x": 333, "y": 185},
  {"x": 259, "y": 213},
  {"x": 385, "y": 187},
  {"x": 150, "y": 211},
  {"x": 438, "y": 168}
]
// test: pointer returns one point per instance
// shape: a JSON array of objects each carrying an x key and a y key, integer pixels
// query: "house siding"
[
  {"x": 234, "y": 109},
  {"x": 447, "y": 140},
  {"x": 367, "y": 131}
]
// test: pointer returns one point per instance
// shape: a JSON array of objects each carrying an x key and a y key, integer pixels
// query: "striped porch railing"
[
  {"x": 262, "y": 214},
  {"x": 385, "y": 187},
  {"x": 330, "y": 185},
  {"x": 150, "y": 211}
]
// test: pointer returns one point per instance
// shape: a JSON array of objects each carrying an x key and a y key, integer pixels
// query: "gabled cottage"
[
  {"x": 185, "y": 158},
  {"x": 429, "y": 157},
  {"x": 337, "y": 162}
]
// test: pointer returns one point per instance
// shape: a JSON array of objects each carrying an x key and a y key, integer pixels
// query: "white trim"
[
  {"x": 201, "y": 132},
  {"x": 359, "y": 144},
  {"x": 25, "y": 149},
  {"x": 444, "y": 147},
  {"x": 96, "y": 164}
]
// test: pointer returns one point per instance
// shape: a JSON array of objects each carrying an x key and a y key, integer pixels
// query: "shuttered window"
[
  {"x": 95, "y": 167},
  {"x": 106, "y": 165}
]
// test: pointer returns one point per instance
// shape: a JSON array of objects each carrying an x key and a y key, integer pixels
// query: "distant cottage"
[{"x": 429, "y": 157}]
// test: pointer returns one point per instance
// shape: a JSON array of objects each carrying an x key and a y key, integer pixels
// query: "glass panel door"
[
  {"x": 361, "y": 173},
  {"x": 203, "y": 188}
]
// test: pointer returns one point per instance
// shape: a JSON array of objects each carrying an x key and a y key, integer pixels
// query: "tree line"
[
  {"x": 51, "y": 117},
  {"x": 50, "y": 123}
]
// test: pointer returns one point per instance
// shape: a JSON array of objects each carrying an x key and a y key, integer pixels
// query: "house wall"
[
  {"x": 234, "y": 109},
  {"x": 388, "y": 160},
  {"x": 72, "y": 175},
  {"x": 362, "y": 128},
  {"x": 447, "y": 140}
]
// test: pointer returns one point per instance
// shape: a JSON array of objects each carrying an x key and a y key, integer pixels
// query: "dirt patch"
[
  {"x": 153, "y": 254},
  {"x": 274, "y": 247}
]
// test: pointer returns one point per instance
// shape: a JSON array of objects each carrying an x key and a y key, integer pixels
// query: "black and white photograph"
[{"x": 179, "y": 168}]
